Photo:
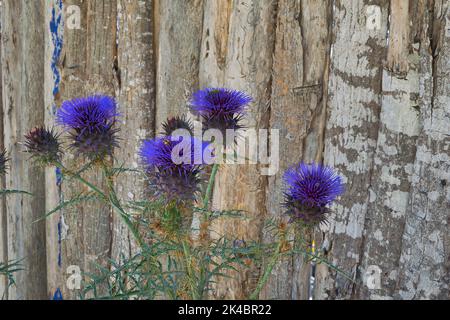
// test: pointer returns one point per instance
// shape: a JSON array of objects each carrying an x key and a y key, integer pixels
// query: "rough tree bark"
[{"x": 23, "y": 108}]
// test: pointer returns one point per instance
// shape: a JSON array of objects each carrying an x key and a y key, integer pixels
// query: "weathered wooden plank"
[
  {"x": 394, "y": 158},
  {"x": 351, "y": 133},
  {"x": 424, "y": 263},
  {"x": 248, "y": 67},
  {"x": 179, "y": 34},
  {"x": 214, "y": 45},
  {"x": 3, "y": 217},
  {"x": 87, "y": 67},
  {"x": 136, "y": 97},
  {"x": 53, "y": 46},
  {"x": 296, "y": 109},
  {"x": 23, "y": 108}
]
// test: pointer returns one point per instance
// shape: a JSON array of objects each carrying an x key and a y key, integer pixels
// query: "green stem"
[
  {"x": 190, "y": 272},
  {"x": 262, "y": 281},
  {"x": 80, "y": 179},
  {"x": 112, "y": 198},
  {"x": 118, "y": 207},
  {"x": 209, "y": 189}
]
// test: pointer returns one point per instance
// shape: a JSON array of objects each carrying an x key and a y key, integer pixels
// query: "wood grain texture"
[
  {"x": 54, "y": 224},
  {"x": 248, "y": 68},
  {"x": 23, "y": 108},
  {"x": 361, "y": 85},
  {"x": 87, "y": 68},
  {"x": 354, "y": 105},
  {"x": 394, "y": 157},
  {"x": 179, "y": 34},
  {"x": 3, "y": 217},
  {"x": 425, "y": 260},
  {"x": 136, "y": 97},
  {"x": 296, "y": 109}
]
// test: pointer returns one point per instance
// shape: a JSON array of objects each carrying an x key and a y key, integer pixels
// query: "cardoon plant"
[
  {"x": 43, "y": 145},
  {"x": 310, "y": 189},
  {"x": 4, "y": 159},
  {"x": 175, "y": 259},
  {"x": 91, "y": 125},
  {"x": 177, "y": 181},
  {"x": 176, "y": 123},
  {"x": 220, "y": 108}
]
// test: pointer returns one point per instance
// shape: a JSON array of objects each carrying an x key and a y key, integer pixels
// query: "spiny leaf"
[
  {"x": 74, "y": 201},
  {"x": 2, "y": 192}
]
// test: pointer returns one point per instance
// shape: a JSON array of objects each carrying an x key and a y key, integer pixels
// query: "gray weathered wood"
[
  {"x": 3, "y": 225},
  {"x": 393, "y": 163},
  {"x": 87, "y": 67},
  {"x": 136, "y": 97},
  {"x": 424, "y": 263},
  {"x": 351, "y": 134},
  {"x": 178, "y": 38},
  {"x": 23, "y": 108}
]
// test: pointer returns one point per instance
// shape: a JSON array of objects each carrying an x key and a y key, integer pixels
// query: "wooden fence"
[{"x": 362, "y": 85}]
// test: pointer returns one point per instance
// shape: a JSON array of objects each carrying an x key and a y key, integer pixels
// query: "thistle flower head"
[
  {"x": 220, "y": 108},
  {"x": 175, "y": 123},
  {"x": 43, "y": 145},
  {"x": 90, "y": 122},
  {"x": 174, "y": 167},
  {"x": 310, "y": 188},
  {"x": 3, "y": 161}
]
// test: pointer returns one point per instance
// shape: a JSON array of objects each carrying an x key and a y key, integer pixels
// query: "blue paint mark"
[
  {"x": 56, "y": 29},
  {"x": 58, "y": 295},
  {"x": 57, "y": 40},
  {"x": 59, "y": 176}
]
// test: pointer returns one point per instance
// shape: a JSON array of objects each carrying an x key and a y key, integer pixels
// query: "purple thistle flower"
[
  {"x": 220, "y": 108},
  {"x": 310, "y": 188},
  {"x": 43, "y": 145},
  {"x": 3, "y": 161},
  {"x": 175, "y": 123},
  {"x": 91, "y": 123},
  {"x": 175, "y": 176}
]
